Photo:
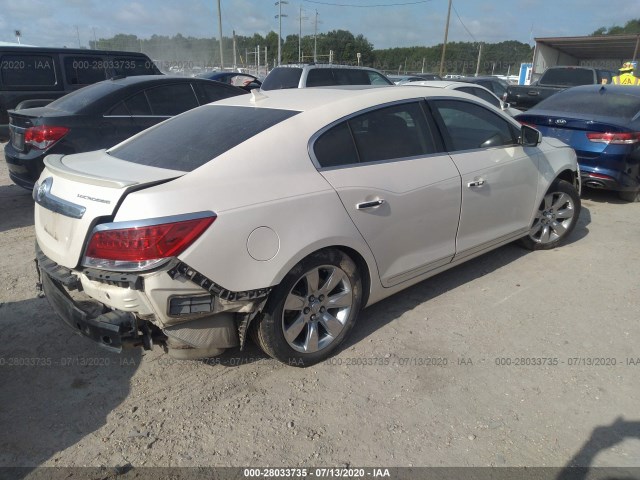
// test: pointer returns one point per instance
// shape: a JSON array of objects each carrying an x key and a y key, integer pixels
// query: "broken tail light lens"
[
  {"x": 43, "y": 136},
  {"x": 144, "y": 246},
  {"x": 626, "y": 138}
]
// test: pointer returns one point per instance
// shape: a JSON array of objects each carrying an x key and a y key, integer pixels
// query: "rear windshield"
[
  {"x": 568, "y": 77},
  {"x": 280, "y": 78},
  {"x": 189, "y": 141},
  {"x": 600, "y": 102},
  {"x": 76, "y": 101}
]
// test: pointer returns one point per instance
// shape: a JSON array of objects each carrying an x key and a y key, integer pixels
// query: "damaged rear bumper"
[{"x": 111, "y": 330}]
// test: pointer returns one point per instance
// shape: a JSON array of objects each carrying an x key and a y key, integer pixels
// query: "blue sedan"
[{"x": 602, "y": 124}]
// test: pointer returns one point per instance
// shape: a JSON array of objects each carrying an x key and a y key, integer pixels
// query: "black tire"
[
  {"x": 631, "y": 197},
  {"x": 561, "y": 199},
  {"x": 270, "y": 328}
]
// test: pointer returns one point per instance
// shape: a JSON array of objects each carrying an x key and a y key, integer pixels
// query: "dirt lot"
[{"x": 64, "y": 402}]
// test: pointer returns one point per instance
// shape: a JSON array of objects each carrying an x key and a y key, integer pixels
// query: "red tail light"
[
  {"x": 43, "y": 136},
  {"x": 142, "y": 247},
  {"x": 615, "y": 138}
]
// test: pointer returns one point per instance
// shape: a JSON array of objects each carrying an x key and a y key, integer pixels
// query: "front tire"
[
  {"x": 312, "y": 310},
  {"x": 555, "y": 218}
]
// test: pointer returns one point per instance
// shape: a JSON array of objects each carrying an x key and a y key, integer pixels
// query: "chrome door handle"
[
  {"x": 371, "y": 204},
  {"x": 476, "y": 183}
]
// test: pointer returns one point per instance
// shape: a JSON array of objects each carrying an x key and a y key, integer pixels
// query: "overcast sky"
[{"x": 54, "y": 22}]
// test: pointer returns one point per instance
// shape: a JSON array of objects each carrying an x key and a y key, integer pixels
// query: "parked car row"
[{"x": 219, "y": 223}]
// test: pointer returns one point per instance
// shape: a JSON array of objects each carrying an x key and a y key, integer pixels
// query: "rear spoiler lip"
[{"x": 55, "y": 165}]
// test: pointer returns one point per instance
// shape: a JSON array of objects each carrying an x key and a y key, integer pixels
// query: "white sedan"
[
  {"x": 285, "y": 213},
  {"x": 472, "y": 89}
]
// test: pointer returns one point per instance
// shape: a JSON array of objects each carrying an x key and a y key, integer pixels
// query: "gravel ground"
[{"x": 380, "y": 400}]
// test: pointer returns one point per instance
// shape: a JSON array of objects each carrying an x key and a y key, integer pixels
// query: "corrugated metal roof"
[{"x": 591, "y": 48}]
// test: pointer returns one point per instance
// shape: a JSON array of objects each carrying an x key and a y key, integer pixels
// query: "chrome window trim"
[{"x": 42, "y": 196}]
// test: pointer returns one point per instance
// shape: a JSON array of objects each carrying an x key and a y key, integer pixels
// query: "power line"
[
  {"x": 465, "y": 27},
  {"x": 367, "y": 6}
]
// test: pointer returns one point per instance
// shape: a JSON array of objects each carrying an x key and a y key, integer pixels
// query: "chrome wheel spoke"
[
  {"x": 293, "y": 331},
  {"x": 311, "y": 341},
  {"x": 335, "y": 277},
  {"x": 545, "y": 236},
  {"x": 313, "y": 281},
  {"x": 331, "y": 324},
  {"x": 340, "y": 300},
  {"x": 561, "y": 201},
  {"x": 565, "y": 213},
  {"x": 558, "y": 228},
  {"x": 294, "y": 302}
]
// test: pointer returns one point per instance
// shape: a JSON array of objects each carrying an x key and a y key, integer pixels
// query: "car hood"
[{"x": 76, "y": 192}]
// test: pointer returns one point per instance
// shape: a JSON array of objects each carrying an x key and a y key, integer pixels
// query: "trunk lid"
[{"x": 76, "y": 192}]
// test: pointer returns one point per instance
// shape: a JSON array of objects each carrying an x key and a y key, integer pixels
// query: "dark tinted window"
[
  {"x": 376, "y": 78},
  {"x": 480, "y": 93},
  {"x": 120, "y": 109},
  {"x": 27, "y": 70},
  {"x": 132, "y": 66},
  {"x": 282, "y": 77},
  {"x": 321, "y": 77},
  {"x": 84, "y": 70},
  {"x": 596, "y": 102},
  {"x": 399, "y": 131},
  {"x": 189, "y": 141},
  {"x": 335, "y": 147},
  {"x": 74, "y": 102},
  {"x": 567, "y": 77},
  {"x": 470, "y": 126},
  {"x": 213, "y": 92},
  {"x": 138, "y": 104},
  {"x": 170, "y": 100}
]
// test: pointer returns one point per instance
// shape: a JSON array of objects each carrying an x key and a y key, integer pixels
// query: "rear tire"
[
  {"x": 555, "y": 218},
  {"x": 631, "y": 197},
  {"x": 313, "y": 309}
]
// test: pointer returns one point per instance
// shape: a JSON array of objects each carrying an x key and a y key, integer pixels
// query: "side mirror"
[{"x": 529, "y": 136}]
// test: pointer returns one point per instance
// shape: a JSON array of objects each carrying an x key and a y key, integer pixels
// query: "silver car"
[{"x": 283, "y": 214}]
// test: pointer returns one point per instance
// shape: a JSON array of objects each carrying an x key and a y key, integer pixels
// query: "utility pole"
[
  {"x": 78, "y": 34},
  {"x": 446, "y": 35},
  {"x": 315, "y": 40},
  {"x": 95, "y": 40},
  {"x": 220, "y": 33},
  {"x": 279, "y": 17},
  {"x": 234, "y": 50},
  {"x": 479, "y": 55},
  {"x": 300, "y": 36}
]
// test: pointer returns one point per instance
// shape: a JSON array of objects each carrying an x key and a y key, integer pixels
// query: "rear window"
[
  {"x": 27, "y": 70},
  {"x": 600, "y": 102},
  {"x": 568, "y": 77},
  {"x": 280, "y": 78},
  {"x": 76, "y": 101},
  {"x": 189, "y": 141}
]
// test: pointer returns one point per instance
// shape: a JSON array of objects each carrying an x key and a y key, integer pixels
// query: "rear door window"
[
  {"x": 189, "y": 141},
  {"x": 27, "y": 71},
  {"x": 138, "y": 105},
  {"x": 483, "y": 94},
  {"x": 84, "y": 70},
  {"x": 398, "y": 131}
]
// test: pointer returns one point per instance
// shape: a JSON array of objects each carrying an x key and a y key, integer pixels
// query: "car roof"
[
  {"x": 323, "y": 65},
  {"x": 331, "y": 98}
]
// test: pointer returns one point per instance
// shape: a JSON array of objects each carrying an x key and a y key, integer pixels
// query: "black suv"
[
  {"x": 34, "y": 76},
  {"x": 321, "y": 75}
]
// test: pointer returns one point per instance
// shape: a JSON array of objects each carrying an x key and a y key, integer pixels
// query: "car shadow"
[
  {"x": 602, "y": 196},
  {"x": 17, "y": 207},
  {"x": 56, "y": 387},
  {"x": 393, "y": 307},
  {"x": 602, "y": 438}
]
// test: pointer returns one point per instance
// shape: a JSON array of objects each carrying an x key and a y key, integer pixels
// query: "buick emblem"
[
  {"x": 561, "y": 121},
  {"x": 43, "y": 189}
]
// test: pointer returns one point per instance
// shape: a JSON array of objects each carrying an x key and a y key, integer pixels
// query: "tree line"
[{"x": 339, "y": 46}]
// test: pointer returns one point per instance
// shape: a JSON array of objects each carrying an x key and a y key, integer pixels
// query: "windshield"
[{"x": 188, "y": 141}]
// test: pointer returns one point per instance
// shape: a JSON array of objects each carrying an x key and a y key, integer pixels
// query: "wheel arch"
[{"x": 571, "y": 176}]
